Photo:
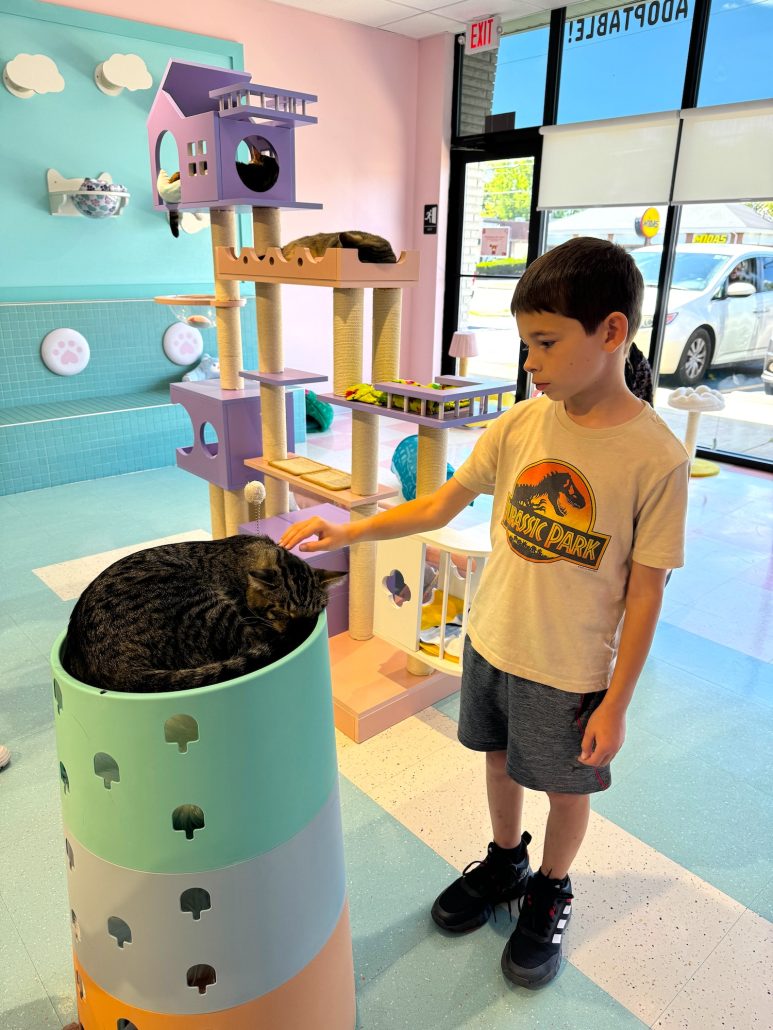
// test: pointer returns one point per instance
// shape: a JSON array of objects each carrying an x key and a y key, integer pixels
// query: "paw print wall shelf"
[{"x": 93, "y": 198}]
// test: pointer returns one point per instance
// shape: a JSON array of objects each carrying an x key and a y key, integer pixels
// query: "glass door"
[{"x": 495, "y": 231}]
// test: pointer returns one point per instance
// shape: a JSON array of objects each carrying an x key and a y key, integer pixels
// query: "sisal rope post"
[
  {"x": 362, "y": 557},
  {"x": 348, "y": 306},
  {"x": 217, "y": 511},
  {"x": 268, "y": 315},
  {"x": 236, "y": 511},
  {"x": 430, "y": 476},
  {"x": 229, "y": 329},
  {"x": 387, "y": 312}
]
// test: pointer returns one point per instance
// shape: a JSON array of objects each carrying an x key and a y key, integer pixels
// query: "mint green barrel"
[{"x": 255, "y": 755}]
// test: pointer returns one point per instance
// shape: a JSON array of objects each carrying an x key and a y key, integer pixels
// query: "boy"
[{"x": 590, "y": 493}]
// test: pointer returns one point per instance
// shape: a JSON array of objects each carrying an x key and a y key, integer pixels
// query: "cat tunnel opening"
[{"x": 257, "y": 164}]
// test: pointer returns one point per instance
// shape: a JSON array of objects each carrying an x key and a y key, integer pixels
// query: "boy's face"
[{"x": 563, "y": 359}]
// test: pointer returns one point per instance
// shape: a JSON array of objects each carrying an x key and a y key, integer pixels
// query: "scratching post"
[
  {"x": 348, "y": 307},
  {"x": 217, "y": 511},
  {"x": 229, "y": 334},
  {"x": 268, "y": 313},
  {"x": 387, "y": 312}
]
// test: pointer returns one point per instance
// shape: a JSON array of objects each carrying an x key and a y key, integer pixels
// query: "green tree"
[
  {"x": 507, "y": 194},
  {"x": 763, "y": 207}
]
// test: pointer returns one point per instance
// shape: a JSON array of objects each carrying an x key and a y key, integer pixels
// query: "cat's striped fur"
[{"x": 189, "y": 614}]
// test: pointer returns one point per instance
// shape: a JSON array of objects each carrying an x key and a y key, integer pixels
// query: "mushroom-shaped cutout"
[
  {"x": 122, "y": 71},
  {"x": 28, "y": 74}
]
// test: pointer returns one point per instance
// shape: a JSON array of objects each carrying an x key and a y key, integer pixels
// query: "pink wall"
[{"x": 375, "y": 158}]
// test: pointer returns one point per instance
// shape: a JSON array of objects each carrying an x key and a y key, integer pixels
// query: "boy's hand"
[
  {"x": 330, "y": 535},
  {"x": 604, "y": 736}
]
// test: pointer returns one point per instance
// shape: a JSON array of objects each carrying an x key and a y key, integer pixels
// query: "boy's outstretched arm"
[
  {"x": 430, "y": 512},
  {"x": 605, "y": 732}
]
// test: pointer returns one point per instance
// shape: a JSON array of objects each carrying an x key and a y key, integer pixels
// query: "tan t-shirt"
[{"x": 572, "y": 508}]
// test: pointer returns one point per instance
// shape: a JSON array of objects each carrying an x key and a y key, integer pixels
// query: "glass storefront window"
[
  {"x": 505, "y": 88},
  {"x": 623, "y": 60},
  {"x": 719, "y": 317},
  {"x": 737, "y": 65}
]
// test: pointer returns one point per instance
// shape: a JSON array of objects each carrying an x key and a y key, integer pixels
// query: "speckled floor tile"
[
  {"x": 762, "y": 903},
  {"x": 702, "y": 817},
  {"x": 69, "y": 579},
  {"x": 641, "y": 924},
  {"x": 443, "y": 801},
  {"x": 732, "y": 989},
  {"x": 389, "y": 754}
]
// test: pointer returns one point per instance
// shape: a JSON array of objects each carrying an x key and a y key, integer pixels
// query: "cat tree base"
[{"x": 373, "y": 690}]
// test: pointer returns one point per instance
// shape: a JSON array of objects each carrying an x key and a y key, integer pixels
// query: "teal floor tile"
[
  {"x": 450, "y": 706},
  {"x": 706, "y": 722},
  {"x": 762, "y": 904},
  {"x": 699, "y": 815},
  {"x": 24, "y": 1003},
  {"x": 737, "y": 672},
  {"x": 409, "y": 974},
  {"x": 457, "y": 984}
]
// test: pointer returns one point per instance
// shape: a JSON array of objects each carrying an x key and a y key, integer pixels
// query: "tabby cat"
[
  {"x": 190, "y": 614},
  {"x": 374, "y": 249}
]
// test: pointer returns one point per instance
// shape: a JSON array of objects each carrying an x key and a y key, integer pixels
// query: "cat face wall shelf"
[
  {"x": 94, "y": 198},
  {"x": 218, "y": 118}
]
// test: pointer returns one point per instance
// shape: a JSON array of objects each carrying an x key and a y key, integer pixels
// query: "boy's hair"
[{"x": 585, "y": 279}]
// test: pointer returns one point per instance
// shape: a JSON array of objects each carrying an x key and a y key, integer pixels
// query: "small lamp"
[{"x": 463, "y": 346}]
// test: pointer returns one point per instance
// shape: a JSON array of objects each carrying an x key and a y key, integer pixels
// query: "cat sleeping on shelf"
[{"x": 191, "y": 614}]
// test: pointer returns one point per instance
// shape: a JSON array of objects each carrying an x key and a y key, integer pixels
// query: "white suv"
[{"x": 720, "y": 307}]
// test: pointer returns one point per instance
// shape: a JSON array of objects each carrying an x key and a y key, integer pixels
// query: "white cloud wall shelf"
[{"x": 100, "y": 199}]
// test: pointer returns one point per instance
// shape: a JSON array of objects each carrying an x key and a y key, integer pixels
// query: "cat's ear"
[
  {"x": 327, "y": 577},
  {"x": 265, "y": 577}
]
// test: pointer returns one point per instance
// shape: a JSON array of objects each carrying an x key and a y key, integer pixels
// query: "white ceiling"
[{"x": 419, "y": 18}]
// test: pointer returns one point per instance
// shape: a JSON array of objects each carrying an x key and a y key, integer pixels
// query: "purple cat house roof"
[{"x": 210, "y": 112}]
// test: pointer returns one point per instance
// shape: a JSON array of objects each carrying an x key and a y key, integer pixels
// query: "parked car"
[
  {"x": 767, "y": 369},
  {"x": 720, "y": 307}
]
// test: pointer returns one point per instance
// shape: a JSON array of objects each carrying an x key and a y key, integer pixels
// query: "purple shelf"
[
  {"x": 288, "y": 377},
  {"x": 239, "y": 204},
  {"x": 449, "y": 421}
]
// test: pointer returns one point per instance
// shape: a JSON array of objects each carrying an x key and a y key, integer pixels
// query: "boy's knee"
[
  {"x": 567, "y": 800},
  {"x": 497, "y": 760}
]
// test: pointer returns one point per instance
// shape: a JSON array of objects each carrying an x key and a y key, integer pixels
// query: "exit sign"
[{"x": 482, "y": 35}]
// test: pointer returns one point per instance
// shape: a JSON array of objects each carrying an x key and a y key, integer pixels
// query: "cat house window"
[
  {"x": 192, "y": 149},
  {"x": 256, "y": 164},
  {"x": 202, "y": 146},
  {"x": 202, "y": 167}
]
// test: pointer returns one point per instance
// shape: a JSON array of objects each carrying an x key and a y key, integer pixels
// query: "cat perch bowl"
[
  {"x": 94, "y": 198},
  {"x": 197, "y": 309}
]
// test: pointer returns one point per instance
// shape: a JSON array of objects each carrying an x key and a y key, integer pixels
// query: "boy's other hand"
[
  {"x": 604, "y": 736},
  {"x": 330, "y": 535}
]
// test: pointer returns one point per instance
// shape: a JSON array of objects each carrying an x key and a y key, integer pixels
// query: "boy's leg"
[
  {"x": 502, "y": 876},
  {"x": 505, "y": 801},
  {"x": 567, "y": 823}
]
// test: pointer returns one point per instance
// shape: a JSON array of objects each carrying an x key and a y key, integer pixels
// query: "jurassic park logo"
[{"x": 549, "y": 516}]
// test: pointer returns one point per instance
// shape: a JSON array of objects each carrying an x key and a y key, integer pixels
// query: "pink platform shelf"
[
  {"x": 287, "y": 377},
  {"x": 341, "y": 498},
  {"x": 485, "y": 397},
  {"x": 338, "y": 267}
]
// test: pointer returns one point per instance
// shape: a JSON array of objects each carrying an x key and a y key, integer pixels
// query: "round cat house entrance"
[
  {"x": 204, "y": 850},
  {"x": 257, "y": 164}
]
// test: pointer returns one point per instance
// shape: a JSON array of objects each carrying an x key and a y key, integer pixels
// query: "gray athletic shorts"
[{"x": 540, "y": 727}]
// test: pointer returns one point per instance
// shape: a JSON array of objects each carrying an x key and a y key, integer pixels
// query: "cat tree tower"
[{"x": 210, "y": 112}]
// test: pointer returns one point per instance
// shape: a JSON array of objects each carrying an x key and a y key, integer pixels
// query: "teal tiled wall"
[{"x": 47, "y": 446}]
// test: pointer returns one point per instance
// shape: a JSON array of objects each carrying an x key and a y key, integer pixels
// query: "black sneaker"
[
  {"x": 533, "y": 954},
  {"x": 470, "y": 900}
]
